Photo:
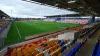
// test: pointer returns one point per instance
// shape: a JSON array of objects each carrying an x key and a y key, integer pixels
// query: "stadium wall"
[{"x": 2, "y": 52}]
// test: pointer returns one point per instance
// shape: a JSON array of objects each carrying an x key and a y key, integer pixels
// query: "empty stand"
[{"x": 3, "y": 24}]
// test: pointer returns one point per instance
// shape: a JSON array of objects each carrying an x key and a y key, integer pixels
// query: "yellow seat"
[
  {"x": 58, "y": 46},
  {"x": 41, "y": 54},
  {"x": 59, "y": 52},
  {"x": 54, "y": 54}
]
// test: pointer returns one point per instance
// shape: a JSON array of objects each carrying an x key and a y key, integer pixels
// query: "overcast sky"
[{"x": 26, "y": 9}]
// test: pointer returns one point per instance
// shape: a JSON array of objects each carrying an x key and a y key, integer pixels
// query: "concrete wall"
[
  {"x": 26, "y": 42},
  {"x": 3, "y": 52},
  {"x": 66, "y": 36}
]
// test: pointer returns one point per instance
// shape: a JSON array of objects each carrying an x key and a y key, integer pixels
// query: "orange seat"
[
  {"x": 25, "y": 52},
  {"x": 58, "y": 46},
  {"x": 14, "y": 50},
  {"x": 46, "y": 47},
  {"x": 34, "y": 53},
  {"x": 51, "y": 49},
  {"x": 54, "y": 47},
  {"x": 29, "y": 54},
  {"x": 13, "y": 54},
  {"x": 19, "y": 54}
]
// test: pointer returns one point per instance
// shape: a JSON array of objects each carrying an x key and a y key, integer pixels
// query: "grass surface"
[{"x": 28, "y": 28}]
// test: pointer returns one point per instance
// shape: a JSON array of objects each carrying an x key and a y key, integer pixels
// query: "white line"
[{"x": 17, "y": 30}]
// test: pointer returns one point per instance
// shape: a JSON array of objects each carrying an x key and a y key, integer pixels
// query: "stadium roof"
[
  {"x": 67, "y": 15},
  {"x": 87, "y": 7},
  {"x": 3, "y": 14}
]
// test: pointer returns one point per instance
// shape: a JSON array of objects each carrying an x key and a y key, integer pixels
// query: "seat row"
[
  {"x": 55, "y": 50},
  {"x": 46, "y": 47},
  {"x": 3, "y": 24},
  {"x": 93, "y": 31},
  {"x": 25, "y": 47},
  {"x": 35, "y": 49},
  {"x": 96, "y": 49}
]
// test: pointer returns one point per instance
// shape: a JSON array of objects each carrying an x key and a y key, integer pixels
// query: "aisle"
[{"x": 87, "y": 49}]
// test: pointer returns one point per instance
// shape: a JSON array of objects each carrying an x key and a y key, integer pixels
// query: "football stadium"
[{"x": 50, "y": 28}]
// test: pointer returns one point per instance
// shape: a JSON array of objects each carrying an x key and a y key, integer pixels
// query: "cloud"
[{"x": 22, "y": 8}]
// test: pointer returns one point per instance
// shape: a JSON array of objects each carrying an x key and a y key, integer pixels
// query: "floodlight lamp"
[
  {"x": 56, "y": 4},
  {"x": 72, "y": 1},
  {"x": 28, "y": 0},
  {"x": 80, "y": 7},
  {"x": 69, "y": 8}
]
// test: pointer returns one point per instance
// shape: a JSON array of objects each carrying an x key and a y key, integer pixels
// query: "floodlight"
[
  {"x": 80, "y": 7},
  {"x": 68, "y": 8},
  {"x": 56, "y": 4},
  {"x": 26, "y": 0},
  {"x": 72, "y": 1}
]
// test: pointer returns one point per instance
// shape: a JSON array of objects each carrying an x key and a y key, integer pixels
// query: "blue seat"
[
  {"x": 74, "y": 50},
  {"x": 45, "y": 45},
  {"x": 62, "y": 43},
  {"x": 59, "y": 41},
  {"x": 77, "y": 47},
  {"x": 98, "y": 51},
  {"x": 63, "y": 48},
  {"x": 95, "y": 49},
  {"x": 89, "y": 35},
  {"x": 73, "y": 41}
]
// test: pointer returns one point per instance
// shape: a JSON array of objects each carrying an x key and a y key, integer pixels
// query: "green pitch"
[{"x": 21, "y": 29}]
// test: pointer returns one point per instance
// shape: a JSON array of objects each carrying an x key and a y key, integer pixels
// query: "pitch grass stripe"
[{"x": 18, "y": 30}]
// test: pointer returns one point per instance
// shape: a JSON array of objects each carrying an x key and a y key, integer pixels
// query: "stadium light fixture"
[
  {"x": 56, "y": 4},
  {"x": 26, "y": 0},
  {"x": 72, "y": 1},
  {"x": 68, "y": 8},
  {"x": 80, "y": 7}
]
